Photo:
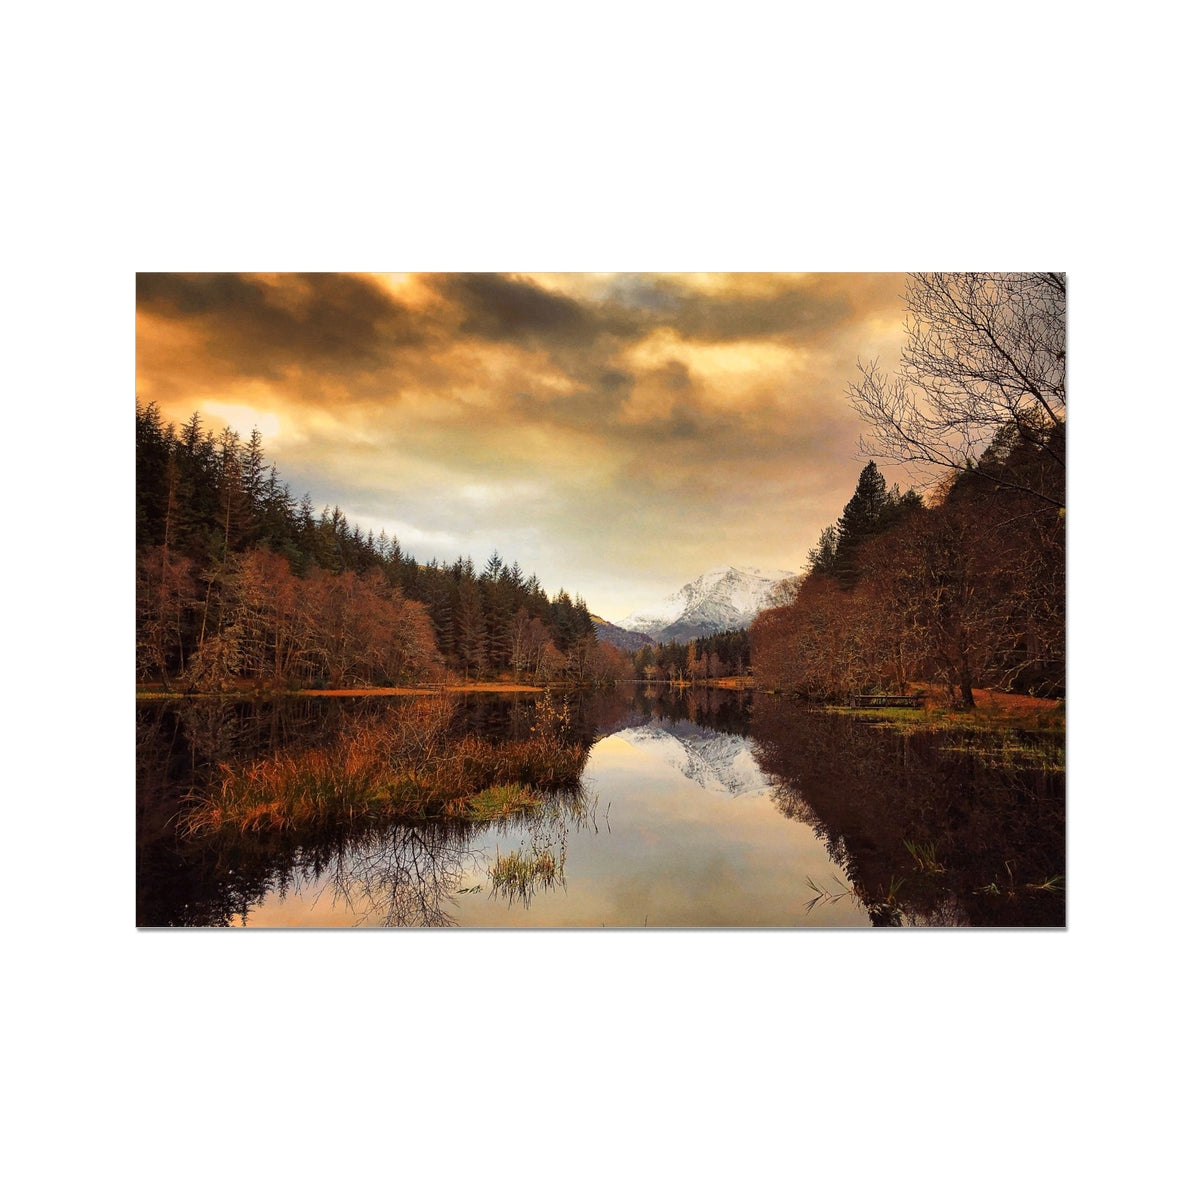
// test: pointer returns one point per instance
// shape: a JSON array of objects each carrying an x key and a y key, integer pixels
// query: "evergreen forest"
[{"x": 239, "y": 581}]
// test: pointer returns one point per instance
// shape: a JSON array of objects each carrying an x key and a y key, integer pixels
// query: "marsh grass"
[
  {"x": 404, "y": 766},
  {"x": 1054, "y": 883},
  {"x": 1010, "y": 748},
  {"x": 519, "y": 874},
  {"x": 501, "y": 800},
  {"x": 1032, "y": 738},
  {"x": 825, "y": 895},
  {"x": 987, "y": 718},
  {"x": 925, "y": 855}
]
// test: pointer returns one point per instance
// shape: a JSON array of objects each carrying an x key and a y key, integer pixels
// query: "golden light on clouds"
[
  {"x": 618, "y": 434},
  {"x": 241, "y": 418},
  {"x": 725, "y": 376}
]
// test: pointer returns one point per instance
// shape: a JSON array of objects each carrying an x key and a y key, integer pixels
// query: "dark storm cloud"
[
  {"x": 617, "y": 382},
  {"x": 508, "y": 308},
  {"x": 673, "y": 376},
  {"x": 598, "y": 401},
  {"x": 351, "y": 328},
  {"x": 262, "y": 327},
  {"x": 796, "y": 314}
]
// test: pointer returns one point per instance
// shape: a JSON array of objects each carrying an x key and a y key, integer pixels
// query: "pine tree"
[
  {"x": 494, "y": 570},
  {"x": 861, "y": 518},
  {"x": 153, "y": 445},
  {"x": 822, "y": 558},
  {"x": 471, "y": 627}
]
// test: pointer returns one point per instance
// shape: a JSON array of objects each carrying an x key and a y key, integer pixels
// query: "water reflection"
[
  {"x": 925, "y": 833},
  {"x": 403, "y": 874},
  {"x": 719, "y": 762},
  {"x": 687, "y": 834},
  {"x": 697, "y": 808}
]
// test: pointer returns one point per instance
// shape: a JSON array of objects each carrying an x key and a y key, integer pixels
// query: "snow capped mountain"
[{"x": 724, "y": 598}]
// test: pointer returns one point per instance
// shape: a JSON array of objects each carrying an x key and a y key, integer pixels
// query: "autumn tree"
[
  {"x": 237, "y": 580},
  {"x": 604, "y": 662},
  {"x": 971, "y": 589},
  {"x": 165, "y": 597}
]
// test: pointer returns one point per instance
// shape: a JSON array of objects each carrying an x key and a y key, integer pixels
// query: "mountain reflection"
[
  {"x": 835, "y": 822},
  {"x": 721, "y": 762}
]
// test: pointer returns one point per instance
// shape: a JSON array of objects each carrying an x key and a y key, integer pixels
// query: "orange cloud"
[{"x": 617, "y": 433}]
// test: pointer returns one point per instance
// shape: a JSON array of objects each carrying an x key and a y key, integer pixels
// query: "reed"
[
  {"x": 521, "y": 872},
  {"x": 825, "y": 895},
  {"x": 407, "y": 766},
  {"x": 925, "y": 855},
  {"x": 985, "y": 718}
]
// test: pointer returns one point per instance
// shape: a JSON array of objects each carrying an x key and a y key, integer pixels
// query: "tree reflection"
[
  {"x": 180, "y": 751},
  {"x": 922, "y": 832},
  {"x": 925, "y": 832},
  {"x": 719, "y": 709},
  {"x": 399, "y": 874},
  {"x": 404, "y": 876}
]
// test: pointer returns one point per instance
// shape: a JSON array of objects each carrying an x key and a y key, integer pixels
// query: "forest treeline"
[
  {"x": 237, "y": 580},
  {"x": 965, "y": 588},
  {"x": 712, "y": 657}
]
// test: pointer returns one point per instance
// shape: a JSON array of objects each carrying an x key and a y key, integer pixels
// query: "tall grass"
[
  {"x": 983, "y": 719},
  {"x": 521, "y": 872},
  {"x": 404, "y": 766}
]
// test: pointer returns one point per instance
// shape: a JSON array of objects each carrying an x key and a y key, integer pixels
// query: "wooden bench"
[{"x": 887, "y": 701}]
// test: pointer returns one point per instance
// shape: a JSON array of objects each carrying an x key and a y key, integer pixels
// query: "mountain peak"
[{"x": 719, "y": 599}]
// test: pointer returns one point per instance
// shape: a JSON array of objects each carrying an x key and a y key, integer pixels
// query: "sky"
[{"x": 616, "y": 434}]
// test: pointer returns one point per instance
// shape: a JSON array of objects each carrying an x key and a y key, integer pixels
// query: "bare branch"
[{"x": 985, "y": 359}]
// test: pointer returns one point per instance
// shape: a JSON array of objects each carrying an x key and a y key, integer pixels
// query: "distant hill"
[
  {"x": 623, "y": 639},
  {"x": 720, "y": 599}
]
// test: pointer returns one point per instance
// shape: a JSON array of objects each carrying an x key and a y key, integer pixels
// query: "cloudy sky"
[{"x": 617, "y": 434}]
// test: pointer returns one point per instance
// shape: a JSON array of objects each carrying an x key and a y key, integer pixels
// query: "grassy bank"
[
  {"x": 405, "y": 766},
  {"x": 1003, "y": 730},
  {"x": 993, "y": 712}
]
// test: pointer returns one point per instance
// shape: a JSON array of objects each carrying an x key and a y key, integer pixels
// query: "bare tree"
[{"x": 983, "y": 375}]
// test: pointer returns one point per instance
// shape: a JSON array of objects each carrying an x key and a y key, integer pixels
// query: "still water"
[{"x": 703, "y": 810}]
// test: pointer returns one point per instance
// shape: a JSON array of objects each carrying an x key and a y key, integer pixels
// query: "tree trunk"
[{"x": 965, "y": 692}]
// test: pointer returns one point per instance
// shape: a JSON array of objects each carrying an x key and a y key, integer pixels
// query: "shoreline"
[{"x": 157, "y": 691}]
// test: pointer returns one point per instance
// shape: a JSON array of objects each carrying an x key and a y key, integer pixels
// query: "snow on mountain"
[
  {"x": 719, "y": 762},
  {"x": 723, "y": 598}
]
